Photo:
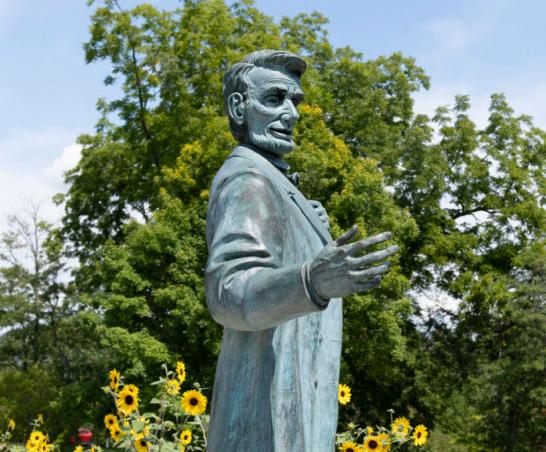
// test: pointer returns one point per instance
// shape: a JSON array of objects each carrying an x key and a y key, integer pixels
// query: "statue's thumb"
[{"x": 346, "y": 237}]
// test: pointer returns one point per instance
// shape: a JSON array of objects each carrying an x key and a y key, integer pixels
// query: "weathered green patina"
[{"x": 274, "y": 277}]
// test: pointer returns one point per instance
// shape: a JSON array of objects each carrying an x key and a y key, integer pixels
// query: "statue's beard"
[{"x": 270, "y": 144}]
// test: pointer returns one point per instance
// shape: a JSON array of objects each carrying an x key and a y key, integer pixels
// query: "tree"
[{"x": 465, "y": 207}]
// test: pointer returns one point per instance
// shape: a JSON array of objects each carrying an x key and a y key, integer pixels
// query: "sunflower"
[
  {"x": 181, "y": 371},
  {"x": 114, "y": 376},
  {"x": 343, "y": 394},
  {"x": 116, "y": 433},
  {"x": 185, "y": 437},
  {"x": 349, "y": 446},
  {"x": 31, "y": 445},
  {"x": 37, "y": 437},
  {"x": 385, "y": 441},
  {"x": 193, "y": 402},
  {"x": 110, "y": 421},
  {"x": 172, "y": 387},
  {"x": 78, "y": 449},
  {"x": 127, "y": 401},
  {"x": 419, "y": 435},
  {"x": 11, "y": 425},
  {"x": 372, "y": 443},
  {"x": 131, "y": 388},
  {"x": 141, "y": 445},
  {"x": 400, "y": 427}
]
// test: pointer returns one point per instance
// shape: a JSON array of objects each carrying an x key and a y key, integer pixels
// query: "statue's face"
[{"x": 271, "y": 114}]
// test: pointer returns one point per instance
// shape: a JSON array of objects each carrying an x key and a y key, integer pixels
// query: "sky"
[{"x": 48, "y": 93}]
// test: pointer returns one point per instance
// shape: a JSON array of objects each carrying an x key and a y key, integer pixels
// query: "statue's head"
[{"x": 261, "y": 94}]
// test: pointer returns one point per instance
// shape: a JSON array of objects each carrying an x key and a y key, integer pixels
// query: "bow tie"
[{"x": 294, "y": 178}]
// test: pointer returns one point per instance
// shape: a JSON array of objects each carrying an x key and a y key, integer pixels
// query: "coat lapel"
[{"x": 286, "y": 187}]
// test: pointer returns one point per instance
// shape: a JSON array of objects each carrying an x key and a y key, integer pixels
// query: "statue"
[{"x": 274, "y": 277}]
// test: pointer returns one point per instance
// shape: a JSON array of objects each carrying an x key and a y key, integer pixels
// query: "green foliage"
[{"x": 466, "y": 207}]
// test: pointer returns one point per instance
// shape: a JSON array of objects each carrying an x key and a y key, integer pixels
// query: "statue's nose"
[{"x": 291, "y": 116}]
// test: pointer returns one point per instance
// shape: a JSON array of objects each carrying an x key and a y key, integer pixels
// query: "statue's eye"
[{"x": 274, "y": 100}]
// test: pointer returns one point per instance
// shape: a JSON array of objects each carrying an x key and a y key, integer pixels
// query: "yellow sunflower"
[
  {"x": 31, "y": 446},
  {"x": 181, "y": 371},
  {"x": 372, "y": 444},
  {"x": 11, "y": 425},
  {"x": 127, "y": 401},
  {"x": 172, "y": 387},
  {"x": 420, "y": 435},
  {"x": 400, "y": 427},
  {"x": 185, "y": 437},
  {"x": 114, "y": 376},
  {"x": 385, "y": 441},
  {"x": 193, "y": 402},
  {"x": 78, "y": 449},
  {"x": 343, "y": 394},
  {"x": 110, "y": 421},
  {"x": 131, "y": 388},
  {"x": 141, "y": 445},
  {"x": 37, "y": 437},
  {"x": 116, "y": 433},
  {"x": 349, "y": 446}
]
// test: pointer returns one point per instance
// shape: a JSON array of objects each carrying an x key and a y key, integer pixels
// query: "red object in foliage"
[{"x": 85, "y": 436}]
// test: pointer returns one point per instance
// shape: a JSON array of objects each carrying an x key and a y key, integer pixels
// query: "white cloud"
[
  {"x": 68, "y": 159},
  {"x": 32, "y": 164},
  {"x": 28, "y": 147}
]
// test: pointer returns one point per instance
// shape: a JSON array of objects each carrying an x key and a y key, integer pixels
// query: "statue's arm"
[{"x": 247, "y": 287}]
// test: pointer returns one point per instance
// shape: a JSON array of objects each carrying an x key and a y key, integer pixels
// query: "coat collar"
[{"x": 280, "y": 180}]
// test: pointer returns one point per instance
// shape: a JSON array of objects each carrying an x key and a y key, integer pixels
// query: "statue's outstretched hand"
[{"x": 340, "y": 269}]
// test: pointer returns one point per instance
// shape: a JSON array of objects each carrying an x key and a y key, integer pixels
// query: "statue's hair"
[{"x": 235, "y": 78}]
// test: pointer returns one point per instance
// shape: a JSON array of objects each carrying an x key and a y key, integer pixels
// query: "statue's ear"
[{"x": 237, "y": 108}]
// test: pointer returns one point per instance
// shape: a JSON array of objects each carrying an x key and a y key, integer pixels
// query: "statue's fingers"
[
  {"x": 370, "y": 241},
  {"x": 347, "y": 236},
  {"x": 369, "y": 273},
  {"x": 315, "y": 204},
  {"x": 364, "y": 286},
  {"x": 372, "y": 258}
]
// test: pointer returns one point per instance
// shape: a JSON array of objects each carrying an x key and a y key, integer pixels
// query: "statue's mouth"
[{"x": 283, "y": 134}]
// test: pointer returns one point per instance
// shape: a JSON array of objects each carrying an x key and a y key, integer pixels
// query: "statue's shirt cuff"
[{"x": 310, "y": 291}]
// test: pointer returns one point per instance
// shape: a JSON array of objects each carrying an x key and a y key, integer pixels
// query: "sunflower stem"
[{"x": 200, "y": 422}]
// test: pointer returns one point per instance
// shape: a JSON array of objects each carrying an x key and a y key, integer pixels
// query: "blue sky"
[{"x": 48, "y": 93}]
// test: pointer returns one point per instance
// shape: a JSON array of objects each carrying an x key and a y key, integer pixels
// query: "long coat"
[{"x": 278, "y": 371}]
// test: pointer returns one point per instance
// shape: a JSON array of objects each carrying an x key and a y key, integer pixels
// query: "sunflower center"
[
  {"x": 350, "y": 449},
  {"x": 372, "y": 444},
  {"x": 193, "y": 401},
  {"x": 129, "y": 399},
  {"x": 418, "y": 434},
  {"x": 342, "y": 393}
]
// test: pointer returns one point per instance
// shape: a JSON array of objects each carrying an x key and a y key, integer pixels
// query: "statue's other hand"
[
  {"x": 321, "y": 212},
  {"x": 340, "y": 268}
]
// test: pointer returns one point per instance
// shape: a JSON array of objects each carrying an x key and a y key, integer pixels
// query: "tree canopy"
[{"x": 466, "y": 206}]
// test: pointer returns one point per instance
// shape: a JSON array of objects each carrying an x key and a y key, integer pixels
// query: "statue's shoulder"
[{"x": 240, "y": 166}]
